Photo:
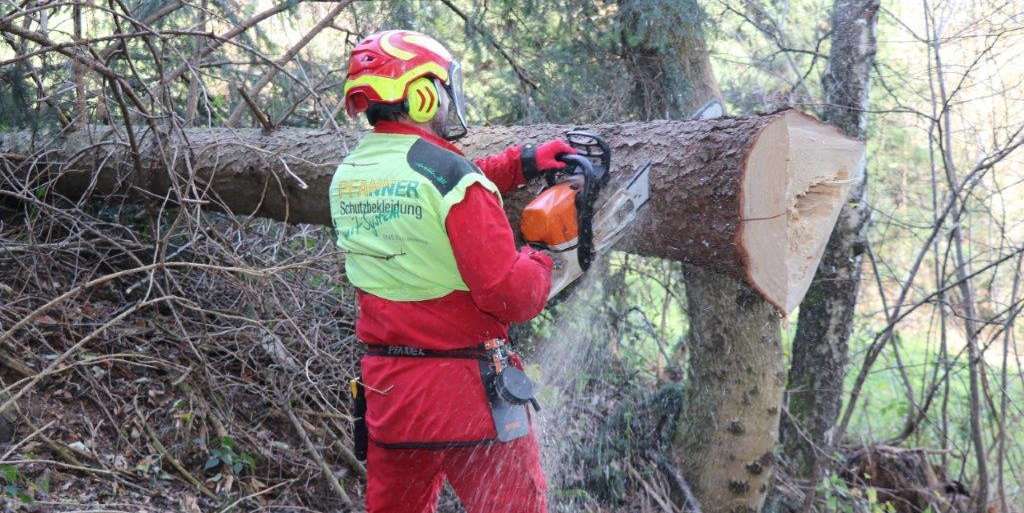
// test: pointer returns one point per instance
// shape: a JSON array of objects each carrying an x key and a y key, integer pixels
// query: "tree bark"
[
  {"x": 730, "y": 327},
  {"x": 821, "y": 344},
  {"x": 726, "y": 433},
  {"x": 697, "y": 183},
  {"x": 730, "y": 419}
]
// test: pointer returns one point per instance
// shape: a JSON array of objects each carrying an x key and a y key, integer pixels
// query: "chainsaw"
[{"x": 572, "y": 219}]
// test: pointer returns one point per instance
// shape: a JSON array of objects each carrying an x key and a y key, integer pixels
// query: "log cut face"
[
  {"x": 798, "y": 175},
  {"x": 754, "y": 197}
]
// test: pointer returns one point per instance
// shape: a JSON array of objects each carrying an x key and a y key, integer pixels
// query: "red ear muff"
[
  {"x": 356, "y": 103},
  {"x": 421, "y": 100}
]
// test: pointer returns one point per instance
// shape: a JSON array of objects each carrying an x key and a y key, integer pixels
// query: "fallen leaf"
[
  {"x": 190, "y": 504},
  {"x": 46, "y": 320}
]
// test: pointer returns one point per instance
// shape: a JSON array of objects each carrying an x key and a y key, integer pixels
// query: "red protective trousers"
[
  {"x": 495, "y": 478},
  {"x": 428, "y": 418}
]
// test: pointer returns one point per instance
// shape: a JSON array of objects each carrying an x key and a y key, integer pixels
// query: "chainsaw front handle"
[
  {"x": 590, "y": 145},
  {"x": 593, "y": 179}
]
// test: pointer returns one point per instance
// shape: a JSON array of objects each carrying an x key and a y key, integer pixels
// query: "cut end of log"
[{"x": 798, "y": 176}]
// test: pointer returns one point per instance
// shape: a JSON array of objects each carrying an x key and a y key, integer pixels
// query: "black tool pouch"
[
  {"x": 360, "y": 437},
  {"x": 508, "y": 391}
]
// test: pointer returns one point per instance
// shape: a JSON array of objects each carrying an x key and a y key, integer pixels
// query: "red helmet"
[{"x": 383, "y": 65}]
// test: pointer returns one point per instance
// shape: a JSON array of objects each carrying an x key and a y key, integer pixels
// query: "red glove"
[{"x": 538, "y": 160}]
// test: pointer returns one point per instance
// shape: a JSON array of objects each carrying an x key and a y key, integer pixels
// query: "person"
[{"x": 439, "y": 279}]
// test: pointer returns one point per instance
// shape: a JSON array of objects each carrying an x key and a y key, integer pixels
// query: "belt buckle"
[{"x": 494, "y": 350}]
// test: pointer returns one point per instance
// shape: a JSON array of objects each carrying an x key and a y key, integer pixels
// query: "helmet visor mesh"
[{"x": 456, "y": 125}]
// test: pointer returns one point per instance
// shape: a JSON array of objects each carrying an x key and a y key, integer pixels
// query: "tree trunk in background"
[
  {"x": 667, "y": 57},
  {"x": 815, "y": 389},
  {"x": 729, "y": 423}
]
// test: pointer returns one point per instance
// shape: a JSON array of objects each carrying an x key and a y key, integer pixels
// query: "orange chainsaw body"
[{"x": 549, "y": 220}]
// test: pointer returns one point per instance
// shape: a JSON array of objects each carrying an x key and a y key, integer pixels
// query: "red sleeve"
[
  {"x": 511, "y": 285},
  {"x": 505, "y": 169}
]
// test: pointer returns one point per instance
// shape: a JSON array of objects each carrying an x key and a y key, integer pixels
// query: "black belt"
[
  {"x": 481, "y": 352},
  {"x": 508, "y": 388}
]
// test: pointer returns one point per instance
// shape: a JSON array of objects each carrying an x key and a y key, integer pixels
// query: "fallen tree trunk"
[{"x": 755, "y": 197}]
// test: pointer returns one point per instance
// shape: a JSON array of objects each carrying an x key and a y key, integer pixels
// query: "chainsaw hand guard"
[{"x": 562, "y": 216}]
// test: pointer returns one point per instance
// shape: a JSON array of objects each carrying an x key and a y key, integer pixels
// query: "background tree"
[{"x": 821, "y": 344}]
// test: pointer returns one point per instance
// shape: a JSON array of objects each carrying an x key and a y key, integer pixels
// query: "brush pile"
[
  {"x": 906, "y": 480},
  {"x": 170, "y": 359}
]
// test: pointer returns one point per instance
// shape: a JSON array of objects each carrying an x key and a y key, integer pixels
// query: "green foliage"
[
  {"x": 228, "y": 456},
  {"x": 657, "y": 23},
  {"x": 15, "y": 485},
  {"x": 884, "y": 406},
  {"x": 839, "y": 497},
  {"x": 16, "y": 98},
  {"x": 580, "y": 54}
]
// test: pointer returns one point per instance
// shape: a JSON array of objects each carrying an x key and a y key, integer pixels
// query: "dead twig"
[
  {"x": 52, "y": 368},
  {"x": 256, "y": 111},
  {"x": 324, "y": 467},
  {"x": 159, "y": 446}
]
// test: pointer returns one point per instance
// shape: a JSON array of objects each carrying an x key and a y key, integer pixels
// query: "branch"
[
  {"x": 328, "y": 20},
  {"x": 324, "y": 467},
  {"x": 256, "y": 111},
  {"x": 219, "y": 40},
  {"x": 494, "y": 43}
]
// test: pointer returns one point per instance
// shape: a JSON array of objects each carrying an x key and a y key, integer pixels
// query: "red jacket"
[{"x": 425, "y": 401}]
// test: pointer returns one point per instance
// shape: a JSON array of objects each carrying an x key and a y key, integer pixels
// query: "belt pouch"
[{"x": 510, "y": 420}]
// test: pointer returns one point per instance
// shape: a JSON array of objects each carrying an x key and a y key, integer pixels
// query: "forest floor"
[
  {"x": 883, "y": 411},
  {"x": 201, "y": 403}
]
